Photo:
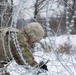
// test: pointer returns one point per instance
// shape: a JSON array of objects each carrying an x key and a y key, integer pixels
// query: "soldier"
[{"x": 32, "y": 33}]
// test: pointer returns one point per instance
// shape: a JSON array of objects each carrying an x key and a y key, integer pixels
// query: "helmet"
[{"x": 34, "y": 30}]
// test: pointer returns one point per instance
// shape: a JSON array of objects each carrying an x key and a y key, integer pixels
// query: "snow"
[
  {"x": 16, "y": 2},
  {"x": 54, "y": 65},
  {"x": 59, "y": 41},
  {"x": 66, "y": 65},
  {"x": 64, "y": 38}
]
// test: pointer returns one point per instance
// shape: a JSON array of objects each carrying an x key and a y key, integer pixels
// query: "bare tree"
[
  {"x": 69, "y": 8},
  {"x": 71, "y": 15},
  {"x": 0, "y": 11},
  {"x": 39, "y": 5},
  {"x": 74, "y": 7},
  {"x": 5, "y": 12}
]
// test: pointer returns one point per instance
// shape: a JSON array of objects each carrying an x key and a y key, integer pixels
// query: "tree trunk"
[
  {"x": 1, "y": 7},
  {"x": 6, "y": 17},
  {"x": 36, "y": 8}
]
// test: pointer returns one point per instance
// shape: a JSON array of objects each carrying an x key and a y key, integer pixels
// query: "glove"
[{"x": 42, "y": 65}]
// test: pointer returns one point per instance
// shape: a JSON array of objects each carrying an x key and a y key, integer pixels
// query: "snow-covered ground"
[{"x": 60, "y": 64}]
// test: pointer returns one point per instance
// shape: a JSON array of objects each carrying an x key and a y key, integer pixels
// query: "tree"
[
  {"x": 0, "y": 11},
  {"x": 5, "y": 13},
  {"x": 74, "y": 7},
  {"x": 71, "y": 14},
  {"x": 38, "y": 5}
]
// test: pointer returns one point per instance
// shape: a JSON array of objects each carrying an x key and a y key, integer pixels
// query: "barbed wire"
[{"x": 16, "y": 10}]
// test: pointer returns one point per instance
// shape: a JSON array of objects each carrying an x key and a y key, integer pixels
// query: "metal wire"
[{"x": 14, "y": 16}]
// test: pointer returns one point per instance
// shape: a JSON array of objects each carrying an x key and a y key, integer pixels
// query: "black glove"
[{"x": 42, "y": 65}]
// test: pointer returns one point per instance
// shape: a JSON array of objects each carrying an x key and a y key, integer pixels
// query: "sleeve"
[{"x": 25, "y": 51}]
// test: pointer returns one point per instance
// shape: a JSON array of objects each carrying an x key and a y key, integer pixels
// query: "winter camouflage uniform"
[{"x": 33, "y": 30}]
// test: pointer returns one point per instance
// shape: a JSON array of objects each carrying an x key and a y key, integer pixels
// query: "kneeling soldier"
[{"x": 33, "y": 32}]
